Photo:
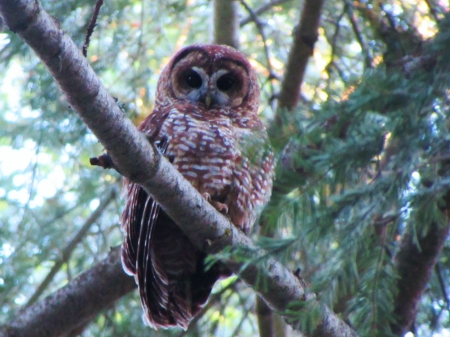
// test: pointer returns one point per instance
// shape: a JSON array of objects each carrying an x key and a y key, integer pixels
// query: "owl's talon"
[{"x": 222, "y": 208}]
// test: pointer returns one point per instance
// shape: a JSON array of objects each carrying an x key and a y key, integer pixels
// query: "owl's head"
[{"x": 210, "y": 77}]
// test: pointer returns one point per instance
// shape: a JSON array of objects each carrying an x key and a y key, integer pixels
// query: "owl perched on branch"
[{"x": 205, "y": 121}]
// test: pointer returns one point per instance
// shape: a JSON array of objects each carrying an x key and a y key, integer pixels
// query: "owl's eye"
[
  {"x": 225, "y": 82},
  {"x": 193, "y": 79}
]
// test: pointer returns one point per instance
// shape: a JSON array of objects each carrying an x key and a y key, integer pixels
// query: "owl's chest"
[{"x": 204, "y": 152}]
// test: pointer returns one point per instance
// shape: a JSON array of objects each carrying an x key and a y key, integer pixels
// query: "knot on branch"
[
  {"x": 309, "y": 40},
  {"x": 104, "y": 160}
]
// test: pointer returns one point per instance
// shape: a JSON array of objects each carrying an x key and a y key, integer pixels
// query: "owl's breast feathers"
[{"x": 229, "y": 159}]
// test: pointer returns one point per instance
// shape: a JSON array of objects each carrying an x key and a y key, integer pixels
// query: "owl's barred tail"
[
  {"x": 168, "y": 269},
  {"x": 172, "y": 280}
]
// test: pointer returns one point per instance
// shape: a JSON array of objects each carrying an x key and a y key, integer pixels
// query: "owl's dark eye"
[
  {"x": 193, "y": 79},
  {"x": 225, "y": 82}
]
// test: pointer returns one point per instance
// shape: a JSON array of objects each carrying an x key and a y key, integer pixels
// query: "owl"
[{"x": 205, "y": 122}]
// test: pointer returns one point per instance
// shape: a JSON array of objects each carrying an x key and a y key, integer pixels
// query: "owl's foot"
[{"x": 221, "y": 207}]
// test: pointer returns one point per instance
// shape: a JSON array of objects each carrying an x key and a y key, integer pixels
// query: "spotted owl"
[{"x": 205, "y": 122}]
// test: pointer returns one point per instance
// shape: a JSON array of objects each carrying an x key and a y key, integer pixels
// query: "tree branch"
[
  {"x": 91, "y": 26},
  {"x": 260, "y": 28},
  {"x": 415, "y": 262},
  {"x": 137, "y": 160},
  {"x": 75, "y": 304},
  {"x": 305, "y": 36},
  {"x": 261, "y": 10},
  {"x": 358, "y": 35},
  {"x": 267, "y": 321},
  {"x": 226, "y": 24}
]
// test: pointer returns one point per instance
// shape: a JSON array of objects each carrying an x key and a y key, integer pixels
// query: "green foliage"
[
  {"x": 363, "y": 160},
  {"x": 371, "y": 160},
  {"x": 305, "y": 315}
]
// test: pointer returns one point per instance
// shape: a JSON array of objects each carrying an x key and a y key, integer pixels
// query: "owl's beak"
[{"x": 208, "y": 99}]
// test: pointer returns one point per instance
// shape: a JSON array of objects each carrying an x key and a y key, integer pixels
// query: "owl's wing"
[
  {"x": 139, "y": 221},
  {"x": 140, "y": 214},
  {"x": 139, "y": 211}
]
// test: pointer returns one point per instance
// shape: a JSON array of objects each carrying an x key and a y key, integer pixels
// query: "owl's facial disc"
[
  {"x": 210, "y": 81},
  {"x": 211, "y": 91}
]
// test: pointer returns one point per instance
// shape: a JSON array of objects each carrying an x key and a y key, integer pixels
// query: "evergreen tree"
[{"x": 360, "y": 207}]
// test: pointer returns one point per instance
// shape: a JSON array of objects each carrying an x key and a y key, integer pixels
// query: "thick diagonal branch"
[{"x": 136, "y": 159}]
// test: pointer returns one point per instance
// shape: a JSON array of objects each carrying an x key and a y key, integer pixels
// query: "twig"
[
  {"x": 433, "y": 10},
  {"x": 26, "y": 238},
  {"x": 261, "y": 10},
  {"x": 67, "y": 251},
  {"x": 91, "y": 26},
  {"x": 104, "y": 160},
  {"x": 438, "y": 271},
  {"x": 333, "y": 44},
  {"x": 214, "y": 298},
  {"x": 244, "y": 317},
  {"x": 26, "y": 207},
  {"x": 265, "y": 319},
  {"x": 358, "y": 35},
  {"x": 263, "y": 36}
]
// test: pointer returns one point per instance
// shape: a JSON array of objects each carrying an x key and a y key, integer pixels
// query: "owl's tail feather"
[
  {"x": 175, "y": 284},
  {"x": 168, "y": 269}
]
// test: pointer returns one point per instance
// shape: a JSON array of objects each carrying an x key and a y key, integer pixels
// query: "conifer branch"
[
  {"x": 137, "y": 160},
  {"x": 399, "y": 41}
]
